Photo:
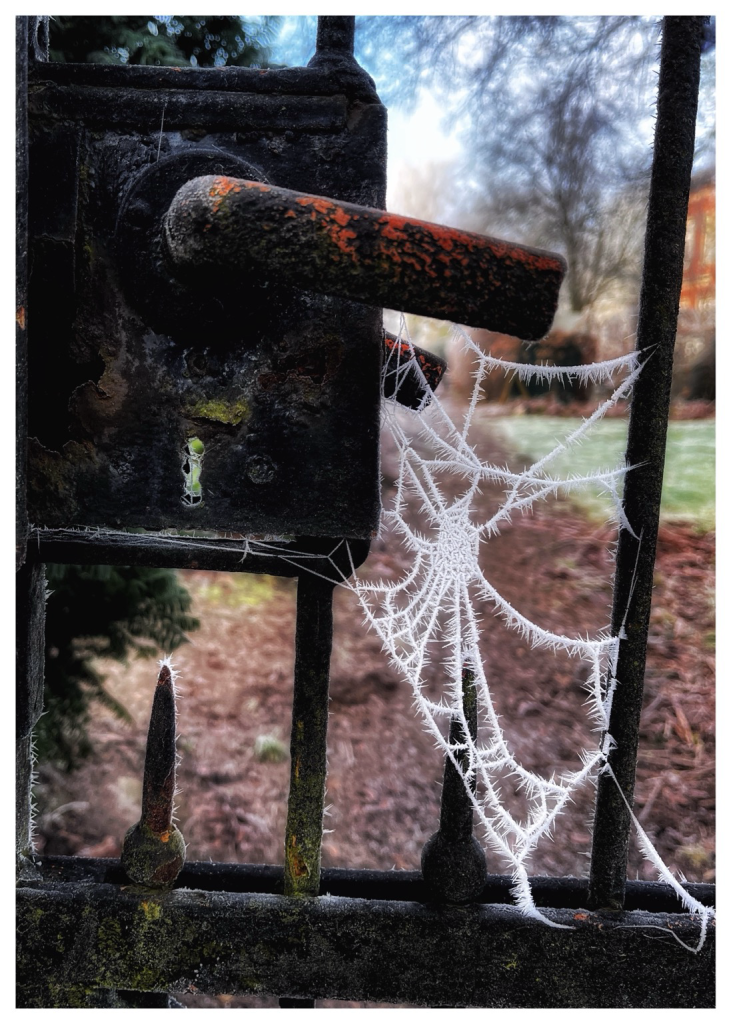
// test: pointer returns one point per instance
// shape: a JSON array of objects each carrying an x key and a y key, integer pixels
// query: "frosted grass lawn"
[{"x": 689, "y": 487}]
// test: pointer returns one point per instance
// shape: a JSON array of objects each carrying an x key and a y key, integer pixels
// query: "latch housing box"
[{"x": 127, "y": 363}]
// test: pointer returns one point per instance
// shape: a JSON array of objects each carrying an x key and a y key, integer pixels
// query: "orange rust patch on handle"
[{"x": 368, "y": 255}]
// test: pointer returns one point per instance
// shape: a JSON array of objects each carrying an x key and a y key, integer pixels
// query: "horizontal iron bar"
[
  {"x": 232, "y": 226},
  {"x": 105, "y": 936},
  {"x": 280, "y": 81},
  {"x": 328, "y": 557},
  {"x": 224, "y": 111},
  {"x": 562, "y": 893}
]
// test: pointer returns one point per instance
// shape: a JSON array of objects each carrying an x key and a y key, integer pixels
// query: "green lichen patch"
[{"x": 220, "y": 410}]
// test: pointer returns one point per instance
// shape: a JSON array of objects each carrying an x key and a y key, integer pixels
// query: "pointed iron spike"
[
  {"x": 154, "y": 849},
  {"x": 452, "y": 861},
  {"x": 158, "y": 785}
]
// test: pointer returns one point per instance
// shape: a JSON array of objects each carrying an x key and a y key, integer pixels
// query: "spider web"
[{"x": 431, "y": 610}]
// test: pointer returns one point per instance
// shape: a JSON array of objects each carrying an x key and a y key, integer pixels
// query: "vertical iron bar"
[
  {"x": 308, "y": 744},
  {"x": 455, "y": 819},
  {"x": 657, "y": 324},
  {"x": 452, "y": 861},
  {"x": 30, "y": 608},
  {"x": 336, "y": 34},
  {"x": 308, "y": 747},
  {"x": 30, "y": 611},
  {"x": 21, "y": 285}
]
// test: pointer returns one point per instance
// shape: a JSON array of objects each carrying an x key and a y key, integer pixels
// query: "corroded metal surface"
[
  {"x": 74, "y": 936},
  {"x": 30, "y": 612},
  {"x": 154, "y": 850},
  {"x": 218, "y": 224},
  {"x": 308, "y": 744},
  {"x": 452, "y": 861},
  {"x": 323, "y": 556},
  {"x": 401, "y": 378},
  {"x": 282, "y": 388}
]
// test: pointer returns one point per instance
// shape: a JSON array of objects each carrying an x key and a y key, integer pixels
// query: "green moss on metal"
[
  {"x": 153, "y": 859},
  {"x": 219, "y": 410}
]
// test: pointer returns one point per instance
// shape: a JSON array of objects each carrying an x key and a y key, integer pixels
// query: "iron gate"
[{"x": 104, "y": 153}]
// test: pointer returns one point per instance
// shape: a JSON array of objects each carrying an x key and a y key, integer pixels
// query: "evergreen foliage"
[
  {"x": 175, "y": 40},
  {"x": 101, "y": 611}
]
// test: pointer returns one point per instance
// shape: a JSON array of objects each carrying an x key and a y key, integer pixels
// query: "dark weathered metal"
[
  {"x": 153, "y": 852},
  {"x": 401, "y": 380},
  {"x": 334, "y": 559},
  {"x": 452, "y": 861},
  {"x": 311, "y": 81},
  {"x": 80, "y": 935},
  {"x": 128, "y": 363},
  {"x": 31, "y": 48},
  {"x": 222, "y": 225},
  {"x": 565, "y": 893},
  {"x": 158, "y": 786},
  {"x": 335, "y": 37},
  {"x": 30, "y": 612},
  {"x": 21, "y": 285},
  {"x": 308, "y": 746},
  {"x": 657, "y": 323},
  {"x": 99, "y": 106}
]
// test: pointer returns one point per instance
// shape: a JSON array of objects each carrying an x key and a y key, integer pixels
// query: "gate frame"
[{"x": 87, "y": 939}]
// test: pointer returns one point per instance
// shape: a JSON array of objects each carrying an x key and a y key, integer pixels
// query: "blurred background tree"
[
  {"x": 555, "y": 114},
  {"x": 101, "y": 611},
  {"x": 174, "y": 40}
]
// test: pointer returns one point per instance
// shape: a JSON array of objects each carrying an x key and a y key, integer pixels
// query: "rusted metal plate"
[
  {"x": 126, "y": 366},
  {"x": 232, "y": 226}
]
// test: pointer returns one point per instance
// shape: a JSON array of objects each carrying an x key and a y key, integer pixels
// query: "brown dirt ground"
[{"x": 384, "y": 772}]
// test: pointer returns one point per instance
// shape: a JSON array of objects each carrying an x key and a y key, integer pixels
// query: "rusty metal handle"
[{"x": 224, "y": 224}]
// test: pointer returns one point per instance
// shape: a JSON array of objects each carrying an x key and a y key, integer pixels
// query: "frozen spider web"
[{"x": 432, "y": 608}]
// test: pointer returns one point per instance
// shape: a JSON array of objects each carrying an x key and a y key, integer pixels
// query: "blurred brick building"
[
  {"x": 609, "y": 329},
  {"x": 695, "y": 349}
]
